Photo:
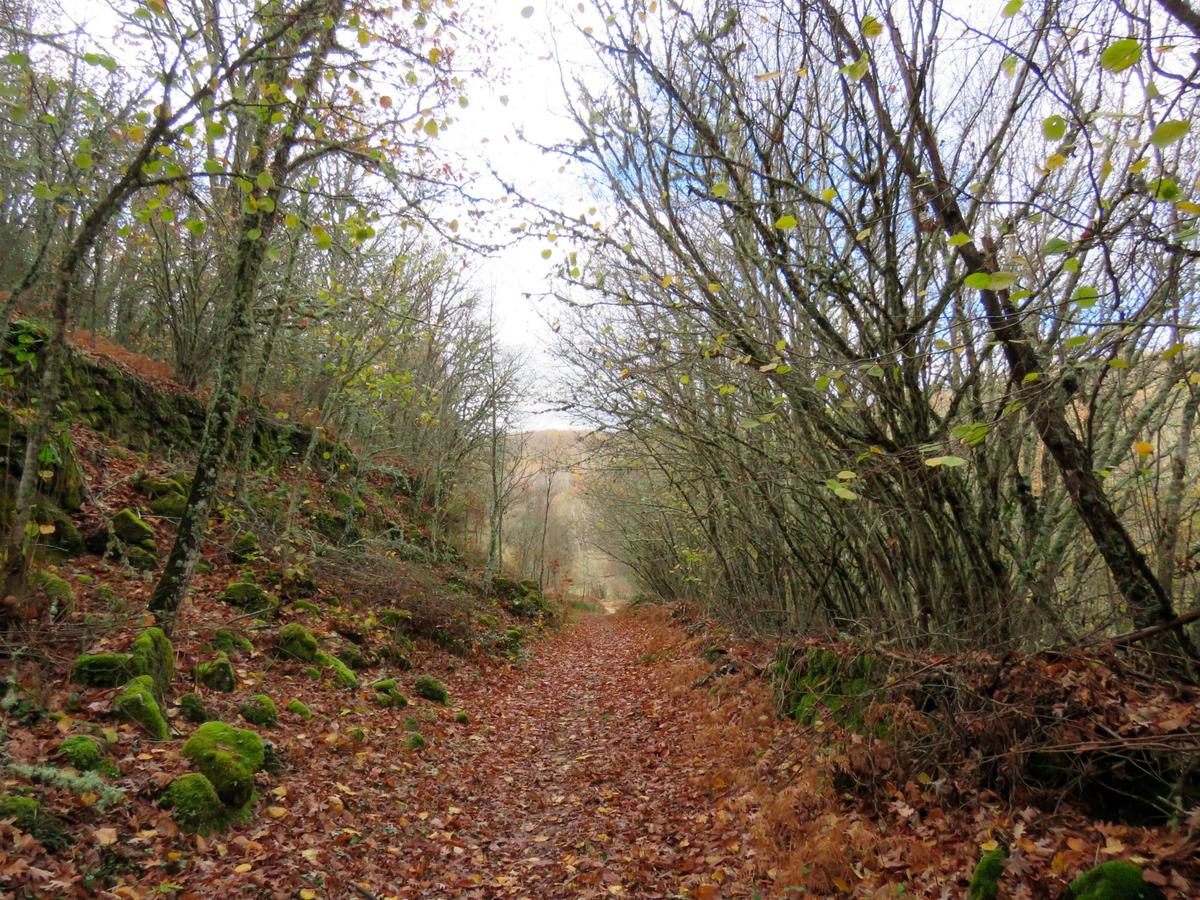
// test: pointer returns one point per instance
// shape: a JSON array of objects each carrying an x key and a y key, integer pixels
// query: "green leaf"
[
  {"x": 972, "y": 434},
  {"x": 840, "y": 490},
  {"x": 998, "y": 281},
  {"x": 1169, "y": 132},
  {"x": 84, "y": 160},
  {"x": 264, "y": 181},
  {"x": 980, "y": 280},
  {"x": 1009, "y": 66},
  {"x": 1165, "y": 189},
  {"x": 1054, "y": 127},
  {"x": 1011, "y": 8},
  {"x": 99, "y": 59},
  {"x": 950, "y": 462},
  {"x": 195, "y": 226},
  {"x": 254, "y": 234},
  {"x": 1071, "y": 266},
  {"x": 1055, "y": 246},
  {"x": 1120, "y": 55},
  {"x": 1086, "y": 296},
  {"x": 213, "y": 167},
  {"x": 720, "y": 189},
  {"x": 431, "y": 128},
  {"x": 291, "y": 220},
  {"x": 857, "y": 69},
  {"x": 957, "y": 240},
  {"x": 324, "y": 241},
  {"x": 785, "y": 223},
  {"x": 871, "y": 27}
]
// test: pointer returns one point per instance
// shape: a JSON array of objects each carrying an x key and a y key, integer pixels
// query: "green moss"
[
  {"x": 430, "y": 688},
  {"x": 814, "y": 682},
  {"x": 141, "y": 559},
  {"x": 195, "y": 805},
  {"x": 297, "y": 708},
  {"x": 462, "y": 718},
  {"x": 159, "y": 487},
  {"x": 416, "y": 741},
  {"x": 298, "y": 583},
  {"x": 260, "y": 710},
  {"x": 217, "y": 674},
  {"x": 341, "y": 672},
  {"x": 489, "y": 622},
  {"x": 356, "y": 734},
  {"x": 85, "y": 754},
  {"x": 101, "y": 669},
  {"x": 244, "y": 546},
  {"x": 349, "y": 653},
  {"x": 1114, "y": 880},
  {"x": 985, "y": 881},
  {"x": 296, "y": 642},
  {"x": 227, "y": 641},
  {"x": 153, "y": 655},
  {"x": 249, "y": 597},
  {"x": 129, "y": 527},
  {"x": 228, "y": 757},
  {"x": 192, "y": 708},
  {"x": 59, "y": 594},
  {"x": 138, "y": 704},
  {"x": 203, "y": 567},
  {"x": 399, "y": 619},
  {"x": 306, "y": 606},
  {"x": 387, "y": 694},
  {"x": 169, "y": 505},
  {"x": 27, "y": 814}
]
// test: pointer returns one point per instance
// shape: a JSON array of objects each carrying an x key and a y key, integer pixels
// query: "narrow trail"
[{"x": 578, "y": 782}]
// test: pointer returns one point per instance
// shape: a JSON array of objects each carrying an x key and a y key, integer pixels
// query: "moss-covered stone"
[
  {"x": 387, "y": 694},
  {"x": 430, "y": 688},
  {"x": 153, "y": 655},
  {"x": 192, "y": 708},
  {"x": 416, "y": 741},
  {"x": 244, "y": 546},
  {"x": 342, "y": 673},
  {"x": 259, "y": 710},
  {"x": 250, "y": 597},
  {"x": 462, "y": 718},
  {"x": 296, "y": 642},
  {"x": 227, "y": 641},
  {"x": 985, "y": 880},
  {"x": 86, "y": 754},
  {"x": 27, "y": 814},
  {"x": 811, "y": 682},
  {"x": 351, "y": 654},
  {"x": 297, "y": 583},
  {"x": 169, "y": 505},
  {"x": 195, "y": 805},
  {"x": 141, "y": 559},
  {"x": 129, "y": 527},
  {"x": 159, "y": 487},
  {"x": 228, "y": 757},
  {"x": 399, "y": 620},
  {"x": 138, "y": 704},
  {"x": 58, "y": 594},
  {"x": 217, "y": 674},
  {"x": 396, "y": 657},
  {"x": 305, "y": 606},
  {"x": 1117, "y": 879},
  {"x": 101, "y": 670},
  {"x": 297, "y": 708}
]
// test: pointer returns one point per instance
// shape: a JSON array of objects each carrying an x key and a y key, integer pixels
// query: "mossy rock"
[
  {"x": 399, "y": 620},
  {"x": 250, "y": 597},
  {"x": 430, "y": 688},
  {"x": 347, "y": 504},
  {"x": 58, "y": 593},
  {"x": 985, "y": 880},
  {"x": 195, "y": 805},
  {"x": 85, "y": 754},
  {"x": 529, "y": 587},
  {"x": 397, "y": 658},
  {"x": 138, "y": 704},
  {"x": 101, "y": 670},
  {"x": 227, "y": 641},
  {"x": 812, "y": 682},
  {"x": 153, "y": 655},
  {"x": 416, "y": 741},
  {"x": 462, "y": 718},
  {"x": 351, "y": 654},
  {"x": 129, "y": 527},
  {"x": 159, "y": 487},
  {"x": 298, "y": 708},
  {"x": 388, "y": 695},
  {"x": 259, "y": 710},
  {"x": 27, "y": 814},
  {"x": 506, "y": 588},
  {"x": 342, "y": 673},
  {"x": 217, "y": 674},
  {"x": 488, "y": 622},
  {"x": 294, "y": 641},
  {"x": 141, "y": 559},
  {"x": 297, "y": 583},
  {"x": 244, "y": 546},
  {"x": 305, "y": 606},
  {"x": 1117, "y": 879},
  {"x": 203, "y": 567},
  {"x": 192, "y": 708},
  {"x": 65, "y": 541},
  {"x": 169, "y": 505},
  {"x": 228, "y": 757}
]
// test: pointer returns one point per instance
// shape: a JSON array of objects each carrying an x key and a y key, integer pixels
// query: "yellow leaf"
[
  {"x": 1143, "y": 448},
  {"x": 310, "y": 855},
  {"x": 1055, "y": 161},
  {"x": 244, "y": 867},
  {"x": 308, "y": 894},
  {"x": 105, "y": 837},
  {"x": 989, "y": 846},
  {"x": 276, "y": 812}
]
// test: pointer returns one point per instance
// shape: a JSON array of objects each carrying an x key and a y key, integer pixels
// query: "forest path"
[{"x": 578, "y": 782}]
